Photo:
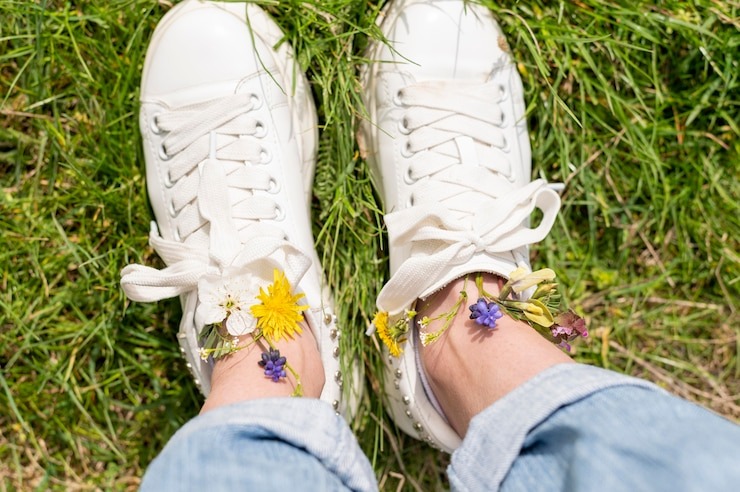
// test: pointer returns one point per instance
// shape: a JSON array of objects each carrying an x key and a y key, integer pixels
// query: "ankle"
[
  {"x": 470, "y": 367},
  {"x": 239, "y": 376}
]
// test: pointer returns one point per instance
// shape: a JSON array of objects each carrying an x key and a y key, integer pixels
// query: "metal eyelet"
[{"x": 163, "y": 154}]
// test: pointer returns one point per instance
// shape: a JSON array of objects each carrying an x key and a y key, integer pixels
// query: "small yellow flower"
[
  {"x": 536, "y": 311},
  {"x": 521, "y": 280},
  {"x": 544, "y": 289},
  {"x": 380, "y": 321},
  {"x": 279, "y": 314}
]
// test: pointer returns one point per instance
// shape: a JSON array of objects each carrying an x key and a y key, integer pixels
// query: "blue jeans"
[{"x": 572, "y": 427}]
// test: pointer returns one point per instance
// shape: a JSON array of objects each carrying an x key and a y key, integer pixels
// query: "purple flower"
[
  {"x": 273, "y": 364},
  {"x": 485, "y": 313},
  {"x": 567, "y": 327},
  {"x": 564, "y": 345}
]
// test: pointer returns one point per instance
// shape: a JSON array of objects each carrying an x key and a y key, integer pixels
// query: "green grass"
[{"x": 634, "y": 106}]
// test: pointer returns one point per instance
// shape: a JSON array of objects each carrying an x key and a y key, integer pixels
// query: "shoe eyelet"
[
  {"x": 256, "y": 101},
  {"x": 168, "y": 183},
  {"x": 260, "y": 130},
  {"x": 503, "y": 119},
  {"x": 506, "y": 147},
  {"x": 171, "y": 210},
  {"x": 406, "y": 149},
  {"x": 265, "y": 156},
  {"x": 397, "y": 97},
  {"x": 279, "y": 213},
  {"x": 403, "y": 126},
  {"x": 154, "y": 127},
  {"x": 176, "y": 235},
  {"x": 274, "y": 186},
  {"x": 407, "y": 177},
  {"x": 163, "y": 154},
  {"x": 410, "y": 201},
  {"x": 502, "y": 93}
]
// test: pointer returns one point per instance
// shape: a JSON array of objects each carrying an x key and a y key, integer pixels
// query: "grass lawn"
[{"x": 634, "y": 106}]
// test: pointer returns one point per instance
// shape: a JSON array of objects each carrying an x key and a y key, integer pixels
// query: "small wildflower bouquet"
[
  {"x": 542, "y": 310},
  {"x": 229, "y": 311}
]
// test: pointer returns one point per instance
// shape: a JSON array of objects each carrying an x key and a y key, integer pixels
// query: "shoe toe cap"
[
  {"x": 443, "y": 39},
  {"x": 198, "y": 44}
]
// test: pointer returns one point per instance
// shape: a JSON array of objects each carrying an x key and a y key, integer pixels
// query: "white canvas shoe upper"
[
  {"x": 229, "y": 131},
  {"x": 448, "y": 146}
]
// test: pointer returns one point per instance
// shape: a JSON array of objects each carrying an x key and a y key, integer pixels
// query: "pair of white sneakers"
[{"x": 230, "y": 131}]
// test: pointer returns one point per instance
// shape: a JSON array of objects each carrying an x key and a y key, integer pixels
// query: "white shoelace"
[
  {"x": 464, "y": 198},
  {"x": 215, "y": 158}
]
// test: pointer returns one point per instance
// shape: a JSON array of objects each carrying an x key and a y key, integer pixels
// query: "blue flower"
[
  {"x": 485, "y": 313},
  {"x": 273, "y": 364}
]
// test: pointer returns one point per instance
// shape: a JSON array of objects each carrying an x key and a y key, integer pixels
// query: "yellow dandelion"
[
  {"x": 380, "y": 321},
  {"x": 279, "y": 314}
]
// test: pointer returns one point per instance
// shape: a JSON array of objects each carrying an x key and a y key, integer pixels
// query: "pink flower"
[{"x": 567, "y": 327}]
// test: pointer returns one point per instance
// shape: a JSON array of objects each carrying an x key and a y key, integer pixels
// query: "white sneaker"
[
  {"x": 448, "y": 146},
  {"x": 230, "y": 137}
]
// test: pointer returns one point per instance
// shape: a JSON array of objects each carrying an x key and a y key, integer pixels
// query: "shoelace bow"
[
  {"x": 464, "y": 199},
  {"x": 214, "y": 162}
]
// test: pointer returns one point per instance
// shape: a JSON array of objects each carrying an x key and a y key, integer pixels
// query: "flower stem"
[
  {"x": 298, "y": 388},
  {"x": 449, "y": 316}
]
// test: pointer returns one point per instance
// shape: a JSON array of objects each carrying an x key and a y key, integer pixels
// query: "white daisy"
[{"x": 227, "y": 298}]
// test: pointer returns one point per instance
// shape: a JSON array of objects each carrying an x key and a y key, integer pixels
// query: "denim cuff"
[
  {"x": 308, "y": 424},
  {"x": 496, "y": 435}
]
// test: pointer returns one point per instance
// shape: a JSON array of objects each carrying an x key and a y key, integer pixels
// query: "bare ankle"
[
  {"x": 470, "y": 367},
  {"x": 240, "y": 376}
]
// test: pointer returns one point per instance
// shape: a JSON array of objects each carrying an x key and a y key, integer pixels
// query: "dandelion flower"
[
  {"x": 279, "y": 313},
  {"x": 384, "y": 332}
]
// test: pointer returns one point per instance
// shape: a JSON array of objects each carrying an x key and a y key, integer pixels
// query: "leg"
[
  {"x": 448, "y": 146},
  {"x": 460, "y": 355},
  {"x": 233, "y": 377},
  {"x": 263, "y": 444},
  {"x": 449, "y": 151},
  {"x": 229, "y": 133},
  {"x": 575, "y": 427}
]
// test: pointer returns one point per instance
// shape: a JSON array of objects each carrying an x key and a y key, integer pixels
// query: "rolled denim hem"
[
  {"x": 496, "y": 435},
  {"x": 307, "y": 424}
]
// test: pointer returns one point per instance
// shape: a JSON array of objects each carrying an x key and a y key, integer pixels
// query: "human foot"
[
  {"x": 230, "y": 136},
  {"x": 473, "y": 364},
  {"x": 448, "y": 146},
  {"x": 234, "y": 378}
]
